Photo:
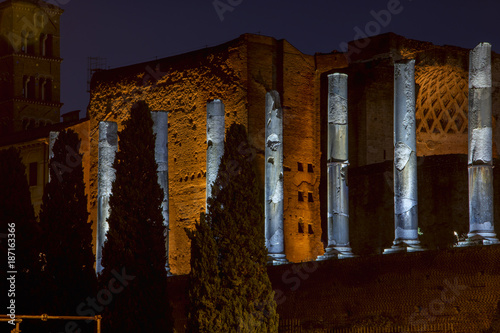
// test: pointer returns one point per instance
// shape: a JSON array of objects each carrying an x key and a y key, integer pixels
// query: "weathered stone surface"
[
  {"x": 108, "y": 146},
  {"x": 273, "y": 187},
  {"x": 481, "y": 223},
  {"x": 405, "y": 159},
  {"x": 160, "y": 129},
  {"x": 215, "y": 141},
  {"x": 337, "y": 164},
  {"x": 480, "y": 66}
]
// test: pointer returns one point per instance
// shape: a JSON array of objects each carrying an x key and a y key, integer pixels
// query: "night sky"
[{"x": 132, "y": 31}]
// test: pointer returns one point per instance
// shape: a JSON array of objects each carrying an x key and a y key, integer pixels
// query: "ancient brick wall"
[
  {"x": 241, "y": 71},
  {"x": 182, "y": 85},
  {"x": 458, "y": 288}
]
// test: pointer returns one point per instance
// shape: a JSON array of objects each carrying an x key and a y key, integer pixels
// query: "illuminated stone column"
[
  {"x": 273, "y": 192},
  {"x": 160, "y": 129},
  {"x": 405, "y": 160},
  {"x": 481, "y": 226},
  {"x": 215, "y": 141},
  {"x": 52, "y": 139},
  {"x": 337, "y": 164},
  {"x": 108, "y": 145}
]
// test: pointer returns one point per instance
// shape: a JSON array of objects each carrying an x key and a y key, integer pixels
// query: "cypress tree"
[
  {"x": 204, "y": 283},
  {"x": 17, "y": 211},
  {"x": 68, "y": 274},
  {"x": 135, "y": 246},
  {"x": 235, "y": 217}
]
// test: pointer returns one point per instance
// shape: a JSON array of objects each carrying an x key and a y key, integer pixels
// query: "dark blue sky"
[{"x": 132, "y": 31}]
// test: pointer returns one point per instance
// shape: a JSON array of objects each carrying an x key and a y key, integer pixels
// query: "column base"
[
  {"x": 276, "y": 259},
  {"x": 409, "y": 246},
  {"x": 168, "y": 271},
  {"x": 477, "y": 240},
  {"x": 337, "y": 252},
  {"x": 98, "y": 267}
]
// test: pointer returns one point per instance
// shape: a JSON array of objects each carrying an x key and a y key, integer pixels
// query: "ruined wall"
[
  {"x": 301, "y": 148},
  {"x": 240, "y": 73},
  {"x": 277, "y": 65},
  {"x": 181, "y": 85}
]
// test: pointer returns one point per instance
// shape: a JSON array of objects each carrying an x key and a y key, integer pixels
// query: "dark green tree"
[
  {"x": 235, "y": 218},
  {"x": 68, "y": 276},
  {"x": 16, "y": 214},
  {"x": 204, "y": 282},
  {"x": 135, "y": 245}
]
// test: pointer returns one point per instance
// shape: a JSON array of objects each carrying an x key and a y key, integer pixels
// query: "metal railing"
[{"x": 44, "y": 317}]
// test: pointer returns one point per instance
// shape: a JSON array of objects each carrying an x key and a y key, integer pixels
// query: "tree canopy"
[
  {"x": 230, "y": 243},
  {"x": 135, "y": 245}
]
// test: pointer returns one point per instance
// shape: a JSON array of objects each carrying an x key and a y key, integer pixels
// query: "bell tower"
[{"x": 29, "y": 65}]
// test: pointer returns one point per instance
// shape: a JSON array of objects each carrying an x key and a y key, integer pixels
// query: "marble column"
[
  {"x": 215, "y": 141},
  {"x": 273, "y": 192},
  {"x": 405, "y": 160},
  {"x": 52, "y": 139},
  {"x": 480, "y": 164},
  {"x": 337, "y": 164},
  {"x": 107, "y": 147},
  {"x": 160, "y": 129}
]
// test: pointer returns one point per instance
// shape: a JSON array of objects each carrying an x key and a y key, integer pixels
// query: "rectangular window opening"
[
  {"x": 310, "y": 197},
  {"x": 300, "y": 167},
  {"x": 301, "y": 196},
  {"x": 310, "y": 168},
  {"x": 310, "y": 229}
]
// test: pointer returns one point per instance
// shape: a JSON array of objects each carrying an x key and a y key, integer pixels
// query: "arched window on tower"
[
  {"x": 43, "y": 45},
  {"x": 41, "y": 86},
  {"x": 26, "y": 79},
  {"x": 24, "y": 41},
  {"x": 30, "y": 43},
  {"x": 29, "y": 87},
  {"x": 49, "y": 52}
]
